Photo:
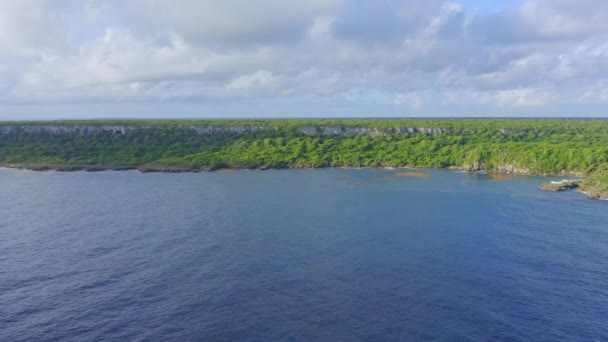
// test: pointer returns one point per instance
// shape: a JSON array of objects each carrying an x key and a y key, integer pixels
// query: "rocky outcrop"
[
  {"x": 581, "y": 186},
  {"x": 474, "y": 166},
  {"x": 334, "y": 131},
  {"x": 594, "y": 188},
  {"x": 66, "y": 129},
  {"x": 510, "y": 168},
  {"x": 593, "y": 193},
  {"x": 66, "y": 168},
  {"x": 423, "y": 130},
  {"x": 230, "y": 129},
  {"x": 503, "y": 168},
  {"x": 559, "y": 186}
]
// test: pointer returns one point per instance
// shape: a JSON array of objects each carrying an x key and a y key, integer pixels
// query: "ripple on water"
[{"x": 299, "y": 255}]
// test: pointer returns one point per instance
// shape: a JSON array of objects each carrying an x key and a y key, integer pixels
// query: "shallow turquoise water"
[{"x": 298, "y": 255}]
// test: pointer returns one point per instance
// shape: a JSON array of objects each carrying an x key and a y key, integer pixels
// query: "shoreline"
[
  {"x": 169, "y": 169},
  {"x": 590, "y": 192},
  {"x": 505, "y": 148}
]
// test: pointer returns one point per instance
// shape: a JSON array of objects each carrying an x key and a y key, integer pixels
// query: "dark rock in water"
[
  {"x": 148, "y": 169},
  {"x": 561, "y": 186},
  {"x": 581, "y": 186},
  {"x": 592, "y": 191}
]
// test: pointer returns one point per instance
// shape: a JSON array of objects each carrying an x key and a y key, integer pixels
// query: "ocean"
[{"x": 299, "y": 255}]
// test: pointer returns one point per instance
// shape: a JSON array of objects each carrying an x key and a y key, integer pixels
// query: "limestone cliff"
[{"x": 306, "y": 130}]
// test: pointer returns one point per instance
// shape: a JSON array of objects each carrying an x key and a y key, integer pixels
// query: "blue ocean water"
[{"x": 299, "y": 255}]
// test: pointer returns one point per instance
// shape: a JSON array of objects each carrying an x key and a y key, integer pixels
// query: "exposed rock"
[
  {"x": 474, "y": 166},
  {"x": 593, "y": 193},
  {"x": 66, "y": 129},
  {"x": 307, "y": 130},
  {"x": 559, "y": 186},
  {"x": 510, "y": 168}
]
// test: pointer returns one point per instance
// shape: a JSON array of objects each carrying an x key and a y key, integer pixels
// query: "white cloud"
[
  {"x": 597, "y": 92},
  {"x": 420, "y": 54},
  {"x": 412, "y": 100},
  {"x": 233, "y": 21},
  {"x": 258, "y": 80},
  {"x": 529, "y": 97}
]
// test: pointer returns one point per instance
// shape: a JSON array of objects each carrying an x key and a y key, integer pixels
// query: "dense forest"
[{"x": 533, "y": 146}]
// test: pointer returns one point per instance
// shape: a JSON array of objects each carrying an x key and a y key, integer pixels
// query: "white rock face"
[{"x": 306, "y": 130}]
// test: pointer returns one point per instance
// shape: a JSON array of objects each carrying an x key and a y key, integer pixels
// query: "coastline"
[
  {"x": 492, "y": 146},
  {"x": 170, "y": 169},
  {"x": 577, "y": 185}
]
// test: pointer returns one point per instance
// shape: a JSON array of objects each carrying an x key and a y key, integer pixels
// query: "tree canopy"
[{"x": 512, "y": 145}]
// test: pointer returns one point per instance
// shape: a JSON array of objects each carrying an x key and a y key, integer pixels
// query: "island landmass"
[{"x": 565, "y": 147}]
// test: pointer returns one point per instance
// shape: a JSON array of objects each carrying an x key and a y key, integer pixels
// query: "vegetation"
[
  {"x": 532, "y": 146},
  {"x": 596, "y": 185}
]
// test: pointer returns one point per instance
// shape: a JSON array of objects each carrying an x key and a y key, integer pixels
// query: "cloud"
[
  {"x": 429, "y": 56},
  {"x": 414, "y": 100},
  {"x": 230, "y": 21},
  {"x": 527, "y": 97}
]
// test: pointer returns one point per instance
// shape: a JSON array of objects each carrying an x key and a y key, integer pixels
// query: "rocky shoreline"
[
  {"x": 560, "y": 186},
  {"x": 96, "y": 168},
  {"x": 578, "y": 185},
  {"x": 170, "y": 169},
  {"x": 593, "y": 193}
]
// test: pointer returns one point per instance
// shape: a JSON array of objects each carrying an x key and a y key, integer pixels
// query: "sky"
[{"x": 85, "y": 59}]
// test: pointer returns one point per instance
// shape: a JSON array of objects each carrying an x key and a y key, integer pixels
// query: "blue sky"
[{"x": 316, "y": 58}]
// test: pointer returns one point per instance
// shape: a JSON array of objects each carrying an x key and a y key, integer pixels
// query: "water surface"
[{"x": 299, "y": 255}]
